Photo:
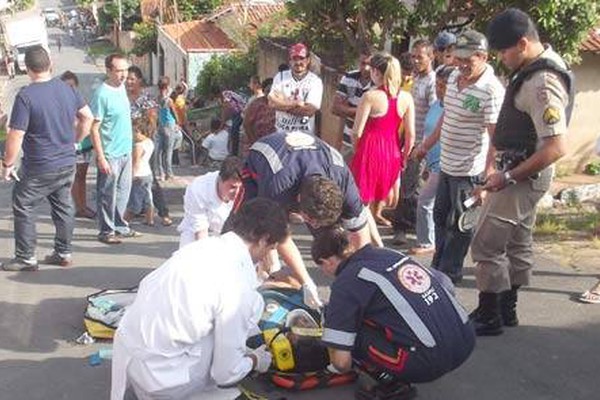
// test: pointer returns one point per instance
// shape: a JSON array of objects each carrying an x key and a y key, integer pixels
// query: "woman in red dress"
[{"x": 383, "y": 136}]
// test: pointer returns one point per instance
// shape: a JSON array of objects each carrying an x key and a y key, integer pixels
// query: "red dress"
[{"x": 378, "y": 161}]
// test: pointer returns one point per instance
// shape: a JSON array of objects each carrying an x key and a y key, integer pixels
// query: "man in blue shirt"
[
  {"x": 113, "y": 139},
  {"x": 398, "y": 321},
  {"x": 41, "y": 124}
]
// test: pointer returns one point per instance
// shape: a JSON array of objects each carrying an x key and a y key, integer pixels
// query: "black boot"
[
  {"x": 508, "y": 306},
  {"x": 486, "y": 317}
]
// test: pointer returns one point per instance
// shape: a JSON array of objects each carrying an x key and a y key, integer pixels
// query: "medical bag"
[{"x": 104, "y": 311}]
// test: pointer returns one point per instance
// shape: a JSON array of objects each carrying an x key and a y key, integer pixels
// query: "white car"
[{"x": 51, "y": 15}]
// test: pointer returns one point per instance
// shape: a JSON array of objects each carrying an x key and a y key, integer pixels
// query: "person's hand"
[
  {"x": 480, "y": 193},
  {"x": 263, "y": 359},
  {"x": 311, "y": 296},
  {"x": 10, "y": 173},
  {"x": 495, "y": 182},
  {"x": 104, "y": 166},
  {"x": 419, "y": 152}
]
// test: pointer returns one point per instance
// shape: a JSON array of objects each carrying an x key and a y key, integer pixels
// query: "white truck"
[{"x": 22, "y": 33}]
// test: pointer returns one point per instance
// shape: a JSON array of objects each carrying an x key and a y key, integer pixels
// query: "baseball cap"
[
  {"x": 443, "y": 40},
  {"x": 469, "y": 42},
  {"x": 298, "y": 50},
  {"x": 508, "y": 27}
]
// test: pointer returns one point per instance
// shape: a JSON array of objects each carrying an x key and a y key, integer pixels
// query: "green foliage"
[
  {"x": 146, "y": 35},
  {"x": 22, "y": 5},
  {"x": 592, "y": 168},
  {"x": 192, "y": 9},
  {"x": 231, "y": 71},
  {"x": 130, "y": 13},
  {"x": 359, "y": 23}
]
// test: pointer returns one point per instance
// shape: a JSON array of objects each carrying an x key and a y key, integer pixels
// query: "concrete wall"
[
  {"x": 271, "y": 55},
  {"x": 174, "y": 59},
  {"x": 585, "y": 121}
]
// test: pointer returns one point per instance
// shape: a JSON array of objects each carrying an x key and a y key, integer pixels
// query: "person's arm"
[
  {"x": 341, "y": 359},
  {"x": 292, "y": 257},
  {"x": 408, "y": 126},
  {"x": 312, "y": 101},
  {"x": 195, "y": 206},
  {"x": 12, "y": 146},
  {"x": 98, "y": 110},
  {"x": 342, "y": 108},
  {"x": 490, "y": 158},
  {"x": 277, "y": 99},
  {"x": 362, "y": 115},
  {"x": 303, "y": 110},
  {"x": 430, "y": 141},
  {"x": 137, "y": 154},
  {"x": 85, "y": 119}
]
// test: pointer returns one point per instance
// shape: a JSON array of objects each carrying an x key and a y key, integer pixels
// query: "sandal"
[
  {"x": 109, "y": 239},
  {"x": 382, "y": 221},
  {"x": 589, "y": 297},
  {"x": 166, "y": 221}
]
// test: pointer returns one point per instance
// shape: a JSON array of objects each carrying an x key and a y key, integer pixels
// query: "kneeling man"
[
  {"x": 397, "y": 320},
  {"x": 186, "y": 331}
]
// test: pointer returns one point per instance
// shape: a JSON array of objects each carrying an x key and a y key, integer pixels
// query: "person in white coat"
[
  {"x": 208, "y": 201},
  {"x": 186, "y": 331}
]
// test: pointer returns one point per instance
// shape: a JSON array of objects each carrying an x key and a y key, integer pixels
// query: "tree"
[
  {"x": 362, "y": 23},
  {"x": 230, "y": 71},
  {"x": 193, "y": 9},
  {"x": 146, "y": 35}
]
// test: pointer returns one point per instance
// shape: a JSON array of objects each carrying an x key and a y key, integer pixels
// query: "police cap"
[{"x": 508, "y": 27}]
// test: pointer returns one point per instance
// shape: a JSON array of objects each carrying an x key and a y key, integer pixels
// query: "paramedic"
[
  {"x": 306, "y": 175},
  {"x": 398, "y": 320},
  {"x": 186, "y": 331}
]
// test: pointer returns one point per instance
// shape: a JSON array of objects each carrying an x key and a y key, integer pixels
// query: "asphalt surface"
[{"x": 553, "y": 355}]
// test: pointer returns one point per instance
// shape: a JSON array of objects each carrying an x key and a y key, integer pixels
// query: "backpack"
[
  {"x": 104, "y": 311},
  {"x": 292, "y": 331}
]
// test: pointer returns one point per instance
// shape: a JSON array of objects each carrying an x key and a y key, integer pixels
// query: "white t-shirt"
[
  {"x": 216, "y": 144},
  {"x": 309, "y": 89},
  {"x": 203, "y": 209},
  {"x": 464, "y": 138},
  {"x": 143, "y": 167}
]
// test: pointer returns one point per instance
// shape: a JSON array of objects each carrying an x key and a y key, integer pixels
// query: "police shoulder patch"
[
  {"x": 551, "y": 115},
  {"x": 414, "y": 278}
]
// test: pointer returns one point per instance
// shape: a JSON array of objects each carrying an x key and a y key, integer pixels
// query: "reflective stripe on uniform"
[
  {"x": 354, "y": 224},
  {"x": 270, "y": 154},
  {"x": 338, "y": 337},
  {"x": 336, "y": 157},
  {"x": 403, "y": 307}
]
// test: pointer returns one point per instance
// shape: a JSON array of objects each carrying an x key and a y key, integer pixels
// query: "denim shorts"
[{"x": 141, "y": 194}]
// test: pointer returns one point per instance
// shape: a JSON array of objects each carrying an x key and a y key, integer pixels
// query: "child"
[
  {"x": 141, "y": 189},
  {"x": 216, "y": 141}
]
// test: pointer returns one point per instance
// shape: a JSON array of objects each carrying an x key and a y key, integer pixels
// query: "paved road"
[{"x": 554, "y": 355}]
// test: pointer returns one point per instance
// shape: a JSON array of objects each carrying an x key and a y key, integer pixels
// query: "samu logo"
[{"x": 471, "y": 103}]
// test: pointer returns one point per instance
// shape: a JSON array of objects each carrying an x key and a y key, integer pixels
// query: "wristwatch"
[{"x": 509, "y": 179}]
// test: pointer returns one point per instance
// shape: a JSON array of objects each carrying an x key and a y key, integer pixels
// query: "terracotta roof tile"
[
  {"x": 249, "y": 13},
  {"x": 592, "y": 42},
  {"x": 198, "y": 35},
  {"x": 149, "y": 8}
]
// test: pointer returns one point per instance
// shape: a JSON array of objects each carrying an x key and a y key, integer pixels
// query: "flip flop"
[
  {"x": 166, "y": 221},
  {"x": 589, "y": 297}
]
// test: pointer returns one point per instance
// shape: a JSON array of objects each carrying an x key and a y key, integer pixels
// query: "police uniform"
[
  {"x": 537, "y": 105},
  {"x": 278, "y": 163},
  {"x": 395, "y": 315}
]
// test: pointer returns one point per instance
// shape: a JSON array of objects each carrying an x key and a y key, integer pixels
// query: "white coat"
[
  {"x": 203, "y": 209},
  {"x": 186, "y": 331}
]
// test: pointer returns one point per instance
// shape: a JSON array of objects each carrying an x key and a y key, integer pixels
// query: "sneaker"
[
  {"x": 57, "y": 259},
  {"x": 18, "y": 264},
  {"x": 109, "y": 239},
  {"x": 130, "y": 234}
]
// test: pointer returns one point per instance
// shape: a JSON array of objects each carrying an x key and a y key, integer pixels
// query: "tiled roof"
[
  {"x": 198, "y": 36},
  {"x": 249, "y": 13},
  {"x": 149, "y": 8},
  {"x": 592, "y": 42}
]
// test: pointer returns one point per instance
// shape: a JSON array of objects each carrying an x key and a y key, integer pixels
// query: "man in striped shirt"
[
  {"x": 472, "y": 103},
  {"x": 349, "y": 92}
]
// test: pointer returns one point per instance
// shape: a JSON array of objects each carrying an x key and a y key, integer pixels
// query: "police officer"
[
  {"x": 304, "y": 174},
  {"x": 529, "y": 138},
  {"x": 398, "y": 320}
]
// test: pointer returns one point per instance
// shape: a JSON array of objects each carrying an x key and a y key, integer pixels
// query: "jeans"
[
  {"x": 425, "y": 224},
  {"x": 405, "y": 213},
  {"x": 170, "y": 137},
  {"x": 112, "y": 195},
  {"x": 451, "y": 245},
  {"x": 234, "y": 135},
  {"x": 158, "y": 198},
  {"x": 27, "y": 195}
]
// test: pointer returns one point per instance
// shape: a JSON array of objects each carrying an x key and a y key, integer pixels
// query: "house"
[
  {"x": 584, "y": 128},
  {"x": 185, "y": 47}
]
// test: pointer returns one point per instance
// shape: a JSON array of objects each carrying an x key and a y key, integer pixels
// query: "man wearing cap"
[
  {"x": 443, "y": 46},
  {"x": 471, "y": 107},
  {"x": 529, "y": 138},
  {"x": 296, "y": 94}
]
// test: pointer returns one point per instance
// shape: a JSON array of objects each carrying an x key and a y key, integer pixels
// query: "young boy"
[
  {"x": 141, "y": 189},
  {"x": 216, "y": 141}
]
